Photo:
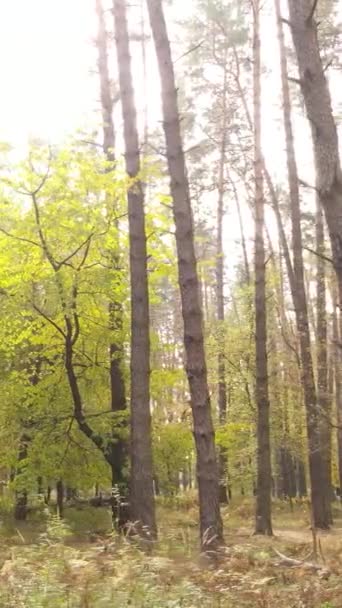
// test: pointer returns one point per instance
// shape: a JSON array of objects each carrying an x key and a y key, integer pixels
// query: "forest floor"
[{"x": 77, "y": 563}]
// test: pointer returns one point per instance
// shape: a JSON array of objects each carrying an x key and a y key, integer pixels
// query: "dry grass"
[{"x": 60, "y": 570}]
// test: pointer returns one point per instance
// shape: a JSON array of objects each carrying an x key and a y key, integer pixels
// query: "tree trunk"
[
  {"x": 60, "y": 498},
  {"x": 221, "y": 367},
  {"x": 141, "y": 487},
  {"x": 263, "y": 523},
  {"x": 247, "y": 277},
  {"x": 185, "y": 479},
  {"x": 207, "y": 470},
  {"x": 107, "y": 102},
  {"x": 287, "y": 485},
  {"x": 47, "y": 495},
  {"x": 337, "y": 336},
  {"x": 317, "y": 101},
  {"x": 118, "y": 394},
  {"x": 321, "y": 514},
  {"x": 70, "y": 493},
  {"x": 20, "y": 508},
  {"x": 21, "y": 496},
  {"x": 301, "y": 478},
  {"x": 324, "y": 396}
]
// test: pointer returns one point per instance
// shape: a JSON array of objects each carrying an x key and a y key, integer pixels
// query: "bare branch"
[
  {"x": 76, "y": 330},
  {"x": 75, "y": 252},
  {"x": 306, "y": 185},
  {"x": 20, "y": 238},
  {"x": 40, "y": 230},
  {"x": 319, "y": 255},
  {"x": 48, "y": 319},
  {"x": 295, "y": 80},
  {"x": 90, "y": 143},
  {"x": 286, "y": 21},
  {"x": 328, "y": 64},
  {"x": 191, "y": 50},
  {"x": 86, "y": 252},
  {"x": 312, "y": 12},
  {"x": 289, "y": 561}
]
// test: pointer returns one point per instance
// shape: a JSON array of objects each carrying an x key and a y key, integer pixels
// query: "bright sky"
[
  {"x": 47, "y": 90},
  {"x": 45, "y": 58}
]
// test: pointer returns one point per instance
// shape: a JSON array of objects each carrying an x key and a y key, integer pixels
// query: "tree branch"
[
  {"x": 319, "y": 255},
  {"x": 286, "y": 21},
  {"x": 40, "y": 230},
  {"x": 19, "y": 238},
  {"x": 42, "y": 314},
  {"x": 75, "y": 252},
  {"x": 306, "y": 185},
  {"x": 312, "y": 12},
  {"x": 295, "y": 80},
  {"x": 191, "y": 50},
  {"x": 328, "y": 64}
]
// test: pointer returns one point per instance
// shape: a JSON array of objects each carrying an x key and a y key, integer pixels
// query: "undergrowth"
[{"x": 96, "y": 569}]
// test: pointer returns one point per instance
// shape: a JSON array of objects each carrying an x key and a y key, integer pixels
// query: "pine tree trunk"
[
  {"x": 105, "y": 86},
  {"x": 118, "y": 447},
  {"x": 337, "y": 337},
  {"x": 47, "y": 495},
  {"x": 60, "y": 498},
  {"x": 324, "y": 397},
  {"x": 317, "y": 101},
  {"x": 321, "y": 515},
  {"x": 221, "y": 367},
  {"x": 21, "y": 496},
  {"x": 301, "y": 478},
  {"x": 207, "y": 470},
  {"x": 142, "y": 505},
  {"x": 247, "y": 276},
  {"x": 263, "y": 524}
]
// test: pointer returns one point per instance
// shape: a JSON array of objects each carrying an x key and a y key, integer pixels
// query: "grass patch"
[{"x": 78, "y": 563}]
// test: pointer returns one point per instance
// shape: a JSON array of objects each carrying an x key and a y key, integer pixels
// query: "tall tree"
[
  {"x": 207, "y": 470},
  {"x": 142, "y": 507},
  {"x": 221, "y": 366},
  {"x": 117, "y": 382},
  {"x": 323, "y": 391},
  {"x": 316, "y": 94},
  {"x": 337, "y": 333},
  {"x": 321, "y": 514},
  {"x": 263, "y": 524},
  {"x": 107, "y": 101}
]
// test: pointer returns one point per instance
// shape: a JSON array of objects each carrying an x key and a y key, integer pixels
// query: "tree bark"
[
  {"x": 117, "y": 384},
  {"x": 317, "y": 101},
  {"x": 105, "y": 86},
  {"x": 324, "y": 396},
  {"x": 301, "y": 478},
  {"x": 47, "y": 495},
  {"x": 321, "y": 515},
  {"x": 247, "y": 277},
  {"x": 220, "y": 312},
  {"x": 287, "y": 482},
  {"x": 263, "y": 523},
  {"x": 337, "y": 337},
  {"x": 40, "y": 490},
  {"x": 21, "y": 495},
  {"x": 207, "y": 470},
  {"x": 141, "y": 484},
  {"x": 60, "y": 498}
]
